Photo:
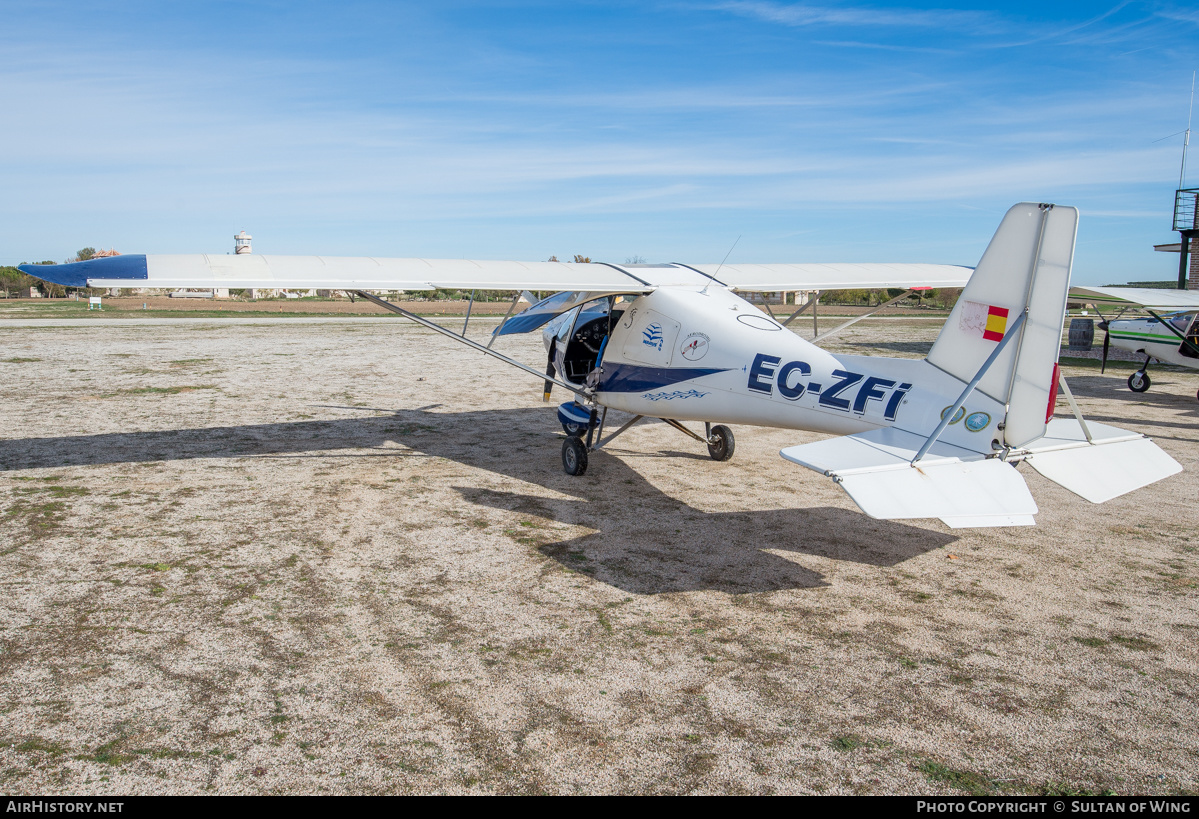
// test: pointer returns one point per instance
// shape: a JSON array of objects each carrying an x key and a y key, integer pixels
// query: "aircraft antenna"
[
  {"x": 1186, "y": 140},
  {"x": 722, "y": 261}
]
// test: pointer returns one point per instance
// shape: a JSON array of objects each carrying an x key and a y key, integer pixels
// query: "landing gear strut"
[{"x": 576, "y": 448}]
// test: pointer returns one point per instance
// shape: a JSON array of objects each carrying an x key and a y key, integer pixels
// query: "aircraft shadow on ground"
[{"x": 644, "y": 541}]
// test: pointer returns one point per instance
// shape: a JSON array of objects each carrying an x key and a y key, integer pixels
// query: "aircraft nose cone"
[{"x": 1102, "y": 326}]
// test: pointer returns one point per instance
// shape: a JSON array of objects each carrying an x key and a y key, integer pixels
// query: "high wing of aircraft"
[
  {"x": 1169, "y": 333},
  {"x": 920, "y": 438}
]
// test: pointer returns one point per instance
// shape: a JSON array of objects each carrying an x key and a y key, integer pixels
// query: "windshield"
[{"x": 1181, "y": 321}]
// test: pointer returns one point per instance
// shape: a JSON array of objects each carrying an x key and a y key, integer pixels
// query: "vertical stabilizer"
[{"x": 1025, "y": 268}]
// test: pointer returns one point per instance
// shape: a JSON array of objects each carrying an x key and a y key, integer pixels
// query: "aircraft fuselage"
[{"x": 712, "y": 356}]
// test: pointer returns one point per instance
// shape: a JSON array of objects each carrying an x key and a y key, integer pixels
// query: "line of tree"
[{"x": 940, "y": 298}]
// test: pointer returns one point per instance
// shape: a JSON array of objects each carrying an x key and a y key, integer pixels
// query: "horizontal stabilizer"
[
  {"x": 1116, "y": 463},
  {"x": 963, "y": 488}
]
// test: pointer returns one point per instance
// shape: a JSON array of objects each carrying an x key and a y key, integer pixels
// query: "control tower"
[
  {"x": 241, "y": 243},
  {"x": 1186, "y": 222}
]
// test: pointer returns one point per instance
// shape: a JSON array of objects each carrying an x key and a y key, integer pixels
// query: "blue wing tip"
[{"x": 76, "y": 274}]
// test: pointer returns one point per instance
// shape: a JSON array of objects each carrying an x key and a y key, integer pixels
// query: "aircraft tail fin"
[{"x": 1024, "y": 271}]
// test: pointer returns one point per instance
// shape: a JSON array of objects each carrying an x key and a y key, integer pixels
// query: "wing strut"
[
  {"x": 386, "y": 305},
  {"x": 856, "y": 319},
  {"x": 469, "y": 307},
  {"x": 812, "y": 301},
  {"x": 1061, "y": 378},
  {"x": 507, "y": 316}
]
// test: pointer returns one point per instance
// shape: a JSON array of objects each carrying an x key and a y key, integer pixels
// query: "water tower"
[{"x": 241, "y": 243}]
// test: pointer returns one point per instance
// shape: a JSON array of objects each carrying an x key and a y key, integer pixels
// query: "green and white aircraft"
[{"x": 1169, "y": 333}]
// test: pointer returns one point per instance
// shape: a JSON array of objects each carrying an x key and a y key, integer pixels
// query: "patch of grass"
[
  {"x": 907, "y": 663},
  {"x": 42, "y": 518},
  {"x": 971, "y": 782},
  {"x": 158, "y": 567},
  {"x": 107, "y": 754},
  {"x": 19, "y": 360},
  {"x": 1091, "y": 642},
  {"x": 165, "y": 753},
  {"x": 1135, "y": 643},
  {"x": 42, "y": 745},
  {"x": 159, "y": 390},
  {"x": 849, "y": 742},
  {"x": 56, "y": 491}
]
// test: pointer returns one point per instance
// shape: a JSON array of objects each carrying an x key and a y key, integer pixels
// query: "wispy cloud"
[{"x": 802, "y": 15}]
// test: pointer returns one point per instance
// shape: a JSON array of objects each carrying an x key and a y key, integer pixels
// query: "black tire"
[
  {"x": 574, "y": 456},
  {"x": 574, "y": 430},
  {"x": 723, "y": 443},
  {"x": 1139, "y": 381}
]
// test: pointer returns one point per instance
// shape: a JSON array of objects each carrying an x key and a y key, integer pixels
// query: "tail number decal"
[{"x": 849, "y": 392}]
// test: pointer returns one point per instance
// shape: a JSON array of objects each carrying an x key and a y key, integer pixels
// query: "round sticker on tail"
[{"x": 977, "y": 421}]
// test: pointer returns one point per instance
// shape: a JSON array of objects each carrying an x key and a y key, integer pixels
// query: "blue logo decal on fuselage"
[
  {"x": 765, "y": 375},
  {"x": 672, "y": 396},
  {"x": 653, "y": 336}
]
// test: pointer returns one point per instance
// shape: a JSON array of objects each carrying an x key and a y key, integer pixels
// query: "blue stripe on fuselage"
[
  {"x": 633, "y": 378},
  {"x": 76, "y": 274}
]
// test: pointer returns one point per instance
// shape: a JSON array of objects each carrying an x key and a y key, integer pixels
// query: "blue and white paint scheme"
[{"x": 919, "y": 438}]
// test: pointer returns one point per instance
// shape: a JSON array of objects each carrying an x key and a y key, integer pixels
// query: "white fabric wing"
[
  {"x": 370, "y": 273},
  {"x": 1149, "y": 297}
]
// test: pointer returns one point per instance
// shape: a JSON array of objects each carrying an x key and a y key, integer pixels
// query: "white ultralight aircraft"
[
  {"x": 1169, "y": 334},
  {"x": 937, "y": 437}
]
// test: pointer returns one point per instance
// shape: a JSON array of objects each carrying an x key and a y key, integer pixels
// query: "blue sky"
[{"x": 815, "y": 132}]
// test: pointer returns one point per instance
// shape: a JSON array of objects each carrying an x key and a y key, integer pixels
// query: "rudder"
[{"x": 1025, "y": 270}]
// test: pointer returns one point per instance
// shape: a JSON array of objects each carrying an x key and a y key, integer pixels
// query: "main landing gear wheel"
[
  {"x": 722, "y": 443},
  {"x": 574, "y": 456},
  {"x": 1139, "y": 381}
]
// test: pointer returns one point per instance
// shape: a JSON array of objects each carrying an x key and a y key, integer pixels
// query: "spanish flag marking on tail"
[
  {"x": 984, "y": 320},
  {"x": 996, "y": 323}
]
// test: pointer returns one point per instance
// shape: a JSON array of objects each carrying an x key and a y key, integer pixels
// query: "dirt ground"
[{"x": 339, "y": 558}]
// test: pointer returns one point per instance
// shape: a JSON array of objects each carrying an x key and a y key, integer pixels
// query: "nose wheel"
[
  {"x": 1139, "y": 381},
  {"x": 574, "y": 456}
]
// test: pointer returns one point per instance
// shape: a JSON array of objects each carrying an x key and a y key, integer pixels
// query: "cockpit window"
[{"x": 1182, "y": 321}]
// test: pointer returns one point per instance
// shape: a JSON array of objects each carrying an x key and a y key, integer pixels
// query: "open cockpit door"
[
  {"x": 547, "y": 309},
  {"x": 1190, "y": 330}
]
